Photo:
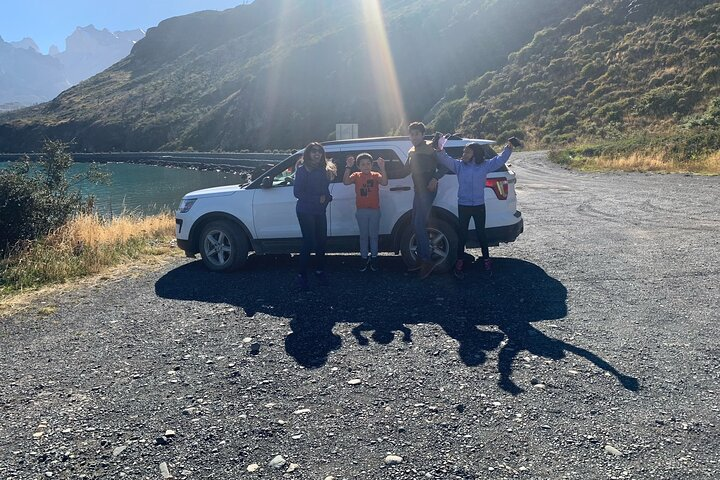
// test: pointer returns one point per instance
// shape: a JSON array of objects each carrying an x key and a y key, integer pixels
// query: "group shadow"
[{"x": 516, "y": 295}]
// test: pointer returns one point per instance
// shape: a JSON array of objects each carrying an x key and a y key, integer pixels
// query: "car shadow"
[{"x": 517, "y": 294}]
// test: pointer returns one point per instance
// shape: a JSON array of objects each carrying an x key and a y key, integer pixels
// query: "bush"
[{"x": 34, "y": 200}]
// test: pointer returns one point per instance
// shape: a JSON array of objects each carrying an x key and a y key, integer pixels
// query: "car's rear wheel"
[
  {"x": 443, "y": 245},
  {"x": 223, "y": 246}
]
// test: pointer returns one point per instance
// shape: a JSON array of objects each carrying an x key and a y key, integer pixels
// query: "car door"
[
  {"x": 395, "y": 198},
  {"x": 274, "y": 206}
]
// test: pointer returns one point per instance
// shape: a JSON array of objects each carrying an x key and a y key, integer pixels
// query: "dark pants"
[
  {"x": 422, "y": 206},
  {"x": 478, "y": 214},
  {"x": 314, "y": 232}
]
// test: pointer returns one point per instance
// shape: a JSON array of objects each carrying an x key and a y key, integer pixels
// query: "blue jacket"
[
  {"x": 309, "y": 186},
  {"x": 472, "y": 176}
]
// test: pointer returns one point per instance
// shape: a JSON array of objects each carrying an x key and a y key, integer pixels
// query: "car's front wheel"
[
  {"x": 443, "y": 245},
  {"x": 223, "y": 246}
]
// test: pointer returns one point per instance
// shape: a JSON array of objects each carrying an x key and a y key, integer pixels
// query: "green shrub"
[{"x": 36, "y": 199}]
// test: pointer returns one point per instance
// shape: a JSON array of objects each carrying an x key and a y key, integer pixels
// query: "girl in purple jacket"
[
  {"x": 472, "y": 170},
  {"x": 312, "y": 189}
]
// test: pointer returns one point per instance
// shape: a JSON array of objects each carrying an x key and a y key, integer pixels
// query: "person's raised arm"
[
  {"x": 446, "y": 160},
  {"x": 349, "y": 162},
  {"x": 383, "y": 173},
  {"x": 495, "y": 162}
]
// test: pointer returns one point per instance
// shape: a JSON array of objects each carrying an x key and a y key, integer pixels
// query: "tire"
[
  {"x": 443, "y": 241},
  {"x": 233, "y": 245}
]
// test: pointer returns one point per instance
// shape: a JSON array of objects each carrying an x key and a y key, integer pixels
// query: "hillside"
[
  {"x": 276, "y": 74},
  {"x": 645, "y": 72}
]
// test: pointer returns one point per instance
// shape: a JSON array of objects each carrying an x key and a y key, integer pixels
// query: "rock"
[
  {"x": 354, "y": 381},
  {"x": 539, "y": 386},
  {"x": 292, "y": 468},
  {"x": 118, "y": 450},
  {"x": 393, "y": 460},
  {"x": 329, "y": 477},
  {"x": 613, "y": 451},
  {"x": 302, "y": 411},
  {"x": 165, "y": 472},
  {"x": 169, "y": 433},
  {"x": 162, "y": 440},
  {"x": 522, "y": 469},
  {"x": 277, "y": 462},
  {"x": 254, "y": 348},
  {"x": 253, "y": 467}
]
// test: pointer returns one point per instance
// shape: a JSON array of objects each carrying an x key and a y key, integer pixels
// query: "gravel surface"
[{"x": 591, "y": 352}]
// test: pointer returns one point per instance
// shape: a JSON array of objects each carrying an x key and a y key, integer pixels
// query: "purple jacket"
[{"x": 309, "y": 186}]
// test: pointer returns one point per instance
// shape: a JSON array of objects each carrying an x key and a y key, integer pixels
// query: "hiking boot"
[
  {"x": 365, "y": 264},
  {"x": 301, "y": 281},
  {"x": 426, "y": 269},
  {"x": 322, "y": 277},
  {"x": 458, "y": 270},
  {"x": 373, "y": 262}
]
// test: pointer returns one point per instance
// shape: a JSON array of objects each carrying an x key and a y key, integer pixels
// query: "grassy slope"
[
  {"x": 255, "y": 78},
  {"x": 618, "y": 77}
]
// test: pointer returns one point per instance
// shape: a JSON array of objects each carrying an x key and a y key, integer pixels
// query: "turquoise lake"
[{"x": 146, "y": 189}]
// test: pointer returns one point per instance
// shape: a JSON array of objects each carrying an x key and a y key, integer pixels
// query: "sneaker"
[
  {"x": 322, "y": 278},
  {"x": 426, "y": 269},
  {"x": 365, "y": 264},
  {"x": 458, "y": 270},
  {"x": 487, "y": 263},
  {"x": 301, "y": 281},
  {"x": 373, "y": 262}
]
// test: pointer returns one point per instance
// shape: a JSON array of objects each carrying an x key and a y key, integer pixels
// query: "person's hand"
[
  {"x": 350, "y": 161},
  {"x": 509, "y": 146},
  {"x": 381, "y": 163},
  {"x": 432, "y": 186},
  {"x": 442, "y": 141},
  {"x": 322, "y": 199}
]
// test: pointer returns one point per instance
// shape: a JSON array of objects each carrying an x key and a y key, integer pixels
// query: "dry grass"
[
  {"x": 86, "y": 245},
  {"x": 650, "y": 162}
]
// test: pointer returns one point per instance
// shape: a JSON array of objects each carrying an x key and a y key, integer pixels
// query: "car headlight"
[{"x": 186, "y": 204}]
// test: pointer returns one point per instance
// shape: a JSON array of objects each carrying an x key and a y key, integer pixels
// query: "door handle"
[{"x": 399, "y": 189}]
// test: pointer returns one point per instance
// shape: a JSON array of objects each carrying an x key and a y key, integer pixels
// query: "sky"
[{"x": 48, "y": 22}]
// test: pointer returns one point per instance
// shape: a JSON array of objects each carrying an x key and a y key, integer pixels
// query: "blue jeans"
[
  {"x": 369, "y": 223},
  {"x": 422, "y": 205},
  {"x": 314, "y": 232}
]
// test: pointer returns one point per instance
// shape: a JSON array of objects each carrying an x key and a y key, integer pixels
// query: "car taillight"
[{"x": 499, "y": 186}]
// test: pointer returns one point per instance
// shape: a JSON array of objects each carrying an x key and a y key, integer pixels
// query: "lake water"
[{"x": 146, "y": 188}]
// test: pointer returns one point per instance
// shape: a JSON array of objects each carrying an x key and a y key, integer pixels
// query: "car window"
[
  {"x": 282, "y": 174},
  {"x": 393, "y": 165}
]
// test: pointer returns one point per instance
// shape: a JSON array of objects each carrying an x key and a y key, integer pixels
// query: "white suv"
[{"x": 224, "y": 224}]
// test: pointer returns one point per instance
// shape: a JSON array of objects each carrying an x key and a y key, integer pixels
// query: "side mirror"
[{"x": 267, "y": 182}]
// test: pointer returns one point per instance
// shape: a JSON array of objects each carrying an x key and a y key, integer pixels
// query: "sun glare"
[{"x": 387, "y": 87}]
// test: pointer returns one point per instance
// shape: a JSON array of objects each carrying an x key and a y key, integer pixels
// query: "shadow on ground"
[{"x": 517, "y": 294}]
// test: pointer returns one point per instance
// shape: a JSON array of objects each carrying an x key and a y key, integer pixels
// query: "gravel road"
[{"x": 591, "y": 352}]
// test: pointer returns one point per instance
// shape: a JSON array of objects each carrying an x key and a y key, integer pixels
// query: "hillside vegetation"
[
  {"x": 279, "y": 73},
  {"x": 617, "y": 76}
]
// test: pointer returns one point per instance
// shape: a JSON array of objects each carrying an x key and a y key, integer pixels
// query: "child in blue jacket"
[{"x": 472, "y": 170}]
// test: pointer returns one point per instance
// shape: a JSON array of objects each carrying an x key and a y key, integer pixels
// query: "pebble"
[
  {"x": 162, "y": 440},
  {"x": 329, "y": 477},
  {"x": 165, "y": 472},
  {"x": 522, "y": 469},
  {"x": 253, "y": 467},
  {"x": 277, "y": 462},
  {"x": 169, "y": 433},
  {"x": 612, "y": 450},
  {"x": 302, "y": 411},
  {"x": 292, "y": 468},
  {"x": 255, "y": 348},
  {"x": 539, "y": 385},
  {"x": 118, "y": 450},
  {"x": 354, "y": 381},
  {"x": 393, "y": 460}
]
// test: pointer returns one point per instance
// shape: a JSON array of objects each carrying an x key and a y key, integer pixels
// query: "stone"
[
  {"x": 253, "y": 467},
  {"x": 302, "y": 411},
  {"x": 277, "y": 462},
  {"x": 169, "y": 433},
  {"x": 612, "y": 450},
  {"x": 393, "y": 460},
  {"x": 292, "y": 468},
  {"x": 354, "y": 381},
  {"x": 118, "y": 450},
  {"x": 165, "y": 472}
]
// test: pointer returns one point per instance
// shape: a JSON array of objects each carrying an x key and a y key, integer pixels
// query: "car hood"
[{"x": 214, "y": 192}]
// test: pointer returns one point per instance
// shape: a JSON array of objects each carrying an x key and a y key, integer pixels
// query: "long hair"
[
  {"x": 478, "y": 153},
  {"x": 330, "y": 167}
]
